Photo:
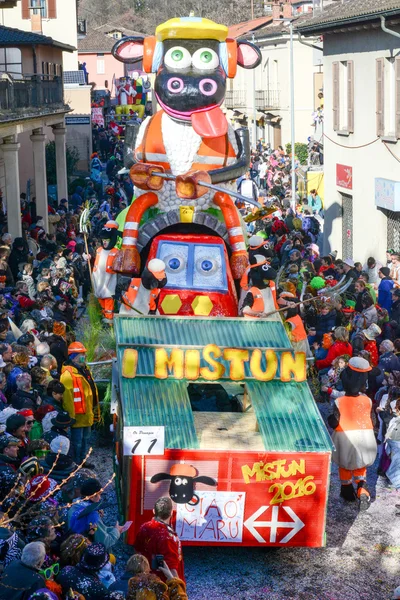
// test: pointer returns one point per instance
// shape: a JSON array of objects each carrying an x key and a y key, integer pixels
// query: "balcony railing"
[
  {"x": 266, "y": 99},
  {"x": 235, "y": 99},
  {"x": 30, "y": 94}
]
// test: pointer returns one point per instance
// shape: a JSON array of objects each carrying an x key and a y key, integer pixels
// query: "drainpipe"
[
  {"x": 386, "y": 30},
  {"x": 300, "y": 39},
  {"x": 34, "y": 60}
]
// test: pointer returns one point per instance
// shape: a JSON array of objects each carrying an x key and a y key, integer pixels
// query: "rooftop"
[
  {"x": 99, "y": 40},
  {"x": 276, "y": 28},
  {"x": 241, "y": 29},
  {"x": 16, "y": 37},
  {"x": 349, "y": 11}
]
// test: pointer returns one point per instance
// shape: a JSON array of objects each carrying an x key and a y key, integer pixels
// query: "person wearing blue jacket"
[{"x": 385, "y": 289}]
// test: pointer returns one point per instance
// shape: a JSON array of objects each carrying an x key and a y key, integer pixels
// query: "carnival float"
[{"x": 210, "y": 401}]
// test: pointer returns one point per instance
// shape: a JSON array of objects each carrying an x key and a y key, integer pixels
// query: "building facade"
[
  {"x": 32, "y": 112},
  {"x": 58, "y": 20},
  {"x": 361, "y": 126},
  {"x": 264, "y": 94},
  {"x": 94, "y": 50}
]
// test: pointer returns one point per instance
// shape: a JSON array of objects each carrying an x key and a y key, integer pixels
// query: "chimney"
[
  {"x": 287, "y": 10},
  {"x": 276, "y": 10}
]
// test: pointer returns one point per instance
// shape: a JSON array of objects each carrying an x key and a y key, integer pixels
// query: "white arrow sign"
[{"x": 295, "y": 525}]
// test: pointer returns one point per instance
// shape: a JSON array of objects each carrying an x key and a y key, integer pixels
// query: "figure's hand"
[
  {"x": 144, "y": 176},
  {"x": 188, "y": 187}
]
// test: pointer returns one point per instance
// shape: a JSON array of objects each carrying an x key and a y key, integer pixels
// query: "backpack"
[{"x": 393, "y": 430}]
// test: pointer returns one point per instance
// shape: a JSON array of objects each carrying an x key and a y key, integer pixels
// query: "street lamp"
[{"x": 292, "y": 115}]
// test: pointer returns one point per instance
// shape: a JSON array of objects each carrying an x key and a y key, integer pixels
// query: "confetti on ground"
[{"x": 360, "y": 561}]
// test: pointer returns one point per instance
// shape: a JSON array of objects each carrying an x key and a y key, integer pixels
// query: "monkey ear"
[
  {"x": 128, "y": 49},
  {"x": 160, "y": 477},
  {"x": 205, "y": 479},
  {"x": 248, "y": 55}
]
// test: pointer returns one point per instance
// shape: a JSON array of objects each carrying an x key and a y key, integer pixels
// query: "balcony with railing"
[
  {"x": 29, "y": 96},
  {"x": 235, "y": 99},
  {"x": 267, "y": 99}
]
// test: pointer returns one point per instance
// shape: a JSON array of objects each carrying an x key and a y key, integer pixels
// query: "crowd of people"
[{"x": 54, "y": 541}]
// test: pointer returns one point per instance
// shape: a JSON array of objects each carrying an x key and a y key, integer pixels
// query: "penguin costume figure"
[
  {"x": 353, "y": 436},
  {"x": 142, "y": 295},
  {"x": 258, "y": 289},
  {"x": 258, "y": 245},
  {"x": 104, "y": 277}
]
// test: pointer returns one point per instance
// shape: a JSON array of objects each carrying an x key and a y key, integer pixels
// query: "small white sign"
[
  {"x": 218, "y": 517},
  {"x": 144, "y": 441}
]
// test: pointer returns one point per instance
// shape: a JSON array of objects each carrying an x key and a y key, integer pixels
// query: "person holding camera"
[{"x": 159, "y": 543}]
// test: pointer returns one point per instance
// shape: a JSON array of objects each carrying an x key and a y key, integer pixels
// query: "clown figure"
[{"x": 104, "y": 277}]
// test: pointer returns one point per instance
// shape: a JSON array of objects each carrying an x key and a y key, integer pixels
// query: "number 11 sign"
[{"x": 144, "y": 441}]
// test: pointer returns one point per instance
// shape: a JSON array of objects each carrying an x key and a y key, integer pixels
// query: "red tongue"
[{"x": 210, "y": 123}]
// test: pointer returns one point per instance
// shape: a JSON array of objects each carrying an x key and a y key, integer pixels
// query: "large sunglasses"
[
  {"x": 29, "y": 423},
  {"x": 50, "y": 571}
]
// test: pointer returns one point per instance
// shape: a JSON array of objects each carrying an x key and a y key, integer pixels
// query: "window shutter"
[
  {"x": 380, "y": 98},
  {"x": 336, "y": 97},
  {"x": 397, "y": 91},
  {"x": 52, "y": 9},
  {"x": 350, "y": 96},
  {"x": 26, "y": 14}
]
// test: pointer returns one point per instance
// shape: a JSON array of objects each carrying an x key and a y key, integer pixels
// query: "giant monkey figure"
[{"x": 189, "y": 137}]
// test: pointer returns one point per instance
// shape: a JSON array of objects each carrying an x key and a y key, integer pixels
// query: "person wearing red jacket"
[
  {"x": 370, "y": 334},
  {"x": 157, "y": 537},
  {"x": 340, "y": 347}
]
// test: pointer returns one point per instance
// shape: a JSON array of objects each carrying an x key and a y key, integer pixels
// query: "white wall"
[
  {"x": 62, "y": 29},
  {"x": 369, "y": 223},
  {"x": 274, "y": 73}
]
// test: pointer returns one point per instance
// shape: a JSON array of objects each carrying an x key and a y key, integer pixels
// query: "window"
[
  {"x": 194, "y": 267},
  {"x": 42, "y": 8},
  {"x": 100, "y": 66},
  {"x": 11, "y": 61},
  {"x": 39, "y": 8},
  {"x": 343, "y": 96},
  {"x": 388, "y": 97}
]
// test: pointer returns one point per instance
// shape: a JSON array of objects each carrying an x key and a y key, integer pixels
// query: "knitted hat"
[
  {"x": 8, "y": 440},
  {"x": 59, "y": 328},
  {"x": 15, "y": 422},
  {"x": 38, "y": 487},
  {"x": 90, "y": 487},
  {"x": 60, "y": 444}
]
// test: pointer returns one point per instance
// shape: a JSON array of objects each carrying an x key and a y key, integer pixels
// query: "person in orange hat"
[
  {"x": 104, "y": 277},
  {"x": 80, "y": 400}
]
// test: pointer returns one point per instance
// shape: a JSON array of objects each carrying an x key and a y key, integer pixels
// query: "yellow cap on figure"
[{"x": 191, "y": 28}]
